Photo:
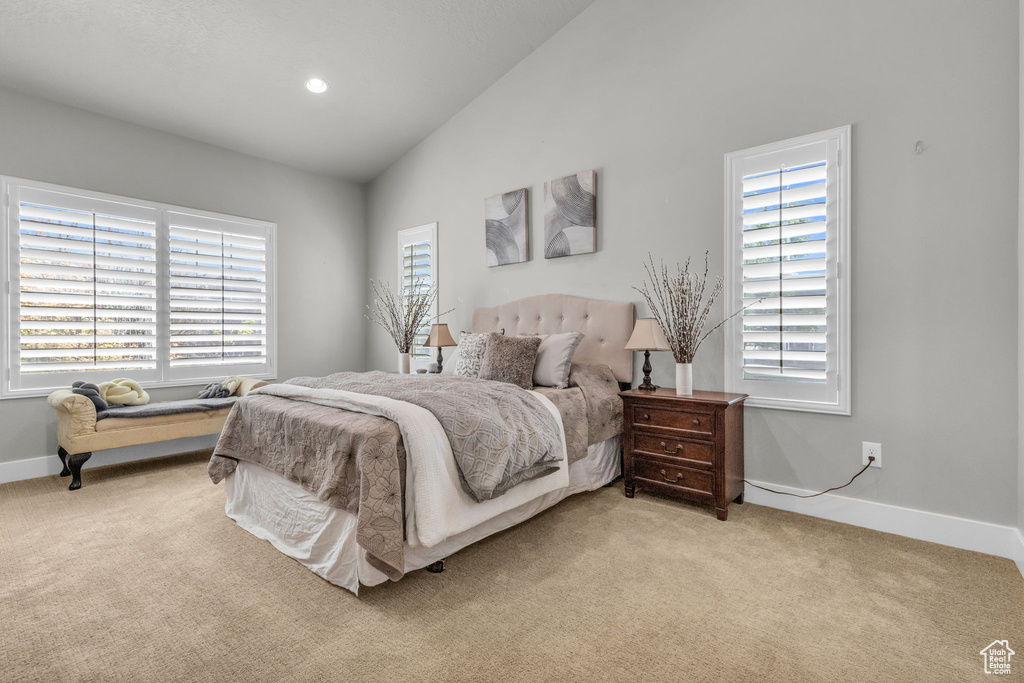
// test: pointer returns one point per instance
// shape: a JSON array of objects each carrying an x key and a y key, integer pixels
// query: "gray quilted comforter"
[
  {"x": 357, "y": 462},
  {"x": 500, "y": 434}
]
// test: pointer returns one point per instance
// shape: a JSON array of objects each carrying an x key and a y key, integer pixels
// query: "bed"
[{"x": 370, "y": 487}]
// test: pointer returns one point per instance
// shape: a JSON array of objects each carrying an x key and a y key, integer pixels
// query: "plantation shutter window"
[
  {"x": 101, "y": 287},
  {"x": 218, "y": 296},
  {"x": 787, "y": 240},
  {"x": 86, "y": 294},
  {"x": 417, "y": 264}
]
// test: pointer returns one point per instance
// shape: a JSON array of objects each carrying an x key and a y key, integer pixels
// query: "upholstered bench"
[{"x": 80, "y": 431}]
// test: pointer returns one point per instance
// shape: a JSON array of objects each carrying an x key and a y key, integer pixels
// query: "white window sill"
[
  {"x": 36, "y": 393},
  {"x": 797, "y": 406}
]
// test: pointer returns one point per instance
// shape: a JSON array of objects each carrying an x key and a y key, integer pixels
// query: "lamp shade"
[
  {"x": 647, "y": 336},
  {"x": 440, "y": 336}
]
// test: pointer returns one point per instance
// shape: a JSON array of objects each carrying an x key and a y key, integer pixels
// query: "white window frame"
[
  {"x": 411, "y": 236},
  {"x": 10, "y": 189},
  {"x": 835, "y": 397}
]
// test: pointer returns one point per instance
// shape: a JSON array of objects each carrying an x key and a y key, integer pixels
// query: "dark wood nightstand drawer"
[
  {"x": 660, "y": 472},
  {"x": 671, "y": 447},
  {"x": 699, "y": 424}
]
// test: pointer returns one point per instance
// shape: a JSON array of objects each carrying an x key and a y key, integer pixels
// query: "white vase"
[
  {"x": 684, "y": 379},
  {"x": 403, "y": 363}
]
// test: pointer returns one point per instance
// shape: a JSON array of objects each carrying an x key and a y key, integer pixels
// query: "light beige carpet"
[{"x": 139, "y": 576}]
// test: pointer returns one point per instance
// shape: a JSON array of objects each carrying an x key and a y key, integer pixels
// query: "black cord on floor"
[{"x": 871, "y": 459}]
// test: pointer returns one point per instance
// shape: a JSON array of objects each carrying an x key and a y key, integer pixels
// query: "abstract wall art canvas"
[
  {"x": 507, "y": 227},
  {"x": 570, "y": 215}
]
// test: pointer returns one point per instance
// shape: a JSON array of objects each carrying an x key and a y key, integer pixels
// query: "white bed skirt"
[{"x": 323, "y": 538}]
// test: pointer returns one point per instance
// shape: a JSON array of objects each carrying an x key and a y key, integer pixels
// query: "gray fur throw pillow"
[{"x": 510, "y": 359}]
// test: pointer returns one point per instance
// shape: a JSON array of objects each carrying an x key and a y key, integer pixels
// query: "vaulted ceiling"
[{"x": 232, "y": 72}]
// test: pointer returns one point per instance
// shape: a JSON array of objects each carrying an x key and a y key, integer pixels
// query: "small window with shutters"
[
  {"x": 787, "y": 265},
  {"x": 417, "y": 272},
  {"x": 101, "y": 287}
]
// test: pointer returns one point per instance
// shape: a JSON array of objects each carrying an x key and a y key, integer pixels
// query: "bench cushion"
[
  {"x": 114, "y": 423},
  {"x": 163, "y": 409}
]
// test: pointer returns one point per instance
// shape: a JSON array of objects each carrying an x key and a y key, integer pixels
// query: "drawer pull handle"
[
  {"x": 674, "y": 450},
  {"x": 696, "y": 422},
  {"x": 664, "y": 475},
  {"x": 646, "y": 416}
]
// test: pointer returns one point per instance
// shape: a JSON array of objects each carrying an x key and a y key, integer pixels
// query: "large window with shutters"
[
  {"x": 417, "y": 272},
  {"x": 787, "y": 249},
  {"x": 100, "y": 287}
]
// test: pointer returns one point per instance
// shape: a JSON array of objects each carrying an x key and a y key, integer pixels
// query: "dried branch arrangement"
[
  {"x": 404, "y": 312},
  {"x": 677, "y": 302}
]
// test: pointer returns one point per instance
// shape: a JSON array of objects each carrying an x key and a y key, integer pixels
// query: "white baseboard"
[
  {"x": 48, "y": 465},
  {"x": 982, "y": 537}
]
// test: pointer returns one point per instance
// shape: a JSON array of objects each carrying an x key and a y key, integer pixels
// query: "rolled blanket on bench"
[
  {"x": 91, "y": 392},
  {"x": 123, "y": 392},
  {"x": 215, "y": 390}
]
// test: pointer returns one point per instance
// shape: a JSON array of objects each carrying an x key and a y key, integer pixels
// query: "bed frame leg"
[
  {"x": 75, "y": 463},
  {"x": 436, "y": 567},
  {"x": 63, "y": 455}
]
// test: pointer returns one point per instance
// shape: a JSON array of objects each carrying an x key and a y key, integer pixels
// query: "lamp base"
[
  {"x": 647, "y": 386},
  {"x": 440, "y": 360}
]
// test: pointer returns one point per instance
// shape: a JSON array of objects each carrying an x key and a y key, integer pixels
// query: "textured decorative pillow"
[
  {"x": 471, "y": 351},
  {"x": 510, "y": 359},
  {"x": 554, "y": 359}
]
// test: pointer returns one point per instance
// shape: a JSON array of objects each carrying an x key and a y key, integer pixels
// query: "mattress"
[{"x": 323, "y": 538}]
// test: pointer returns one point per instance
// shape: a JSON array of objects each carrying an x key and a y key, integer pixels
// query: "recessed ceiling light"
[{"x": 317, "y": 85}]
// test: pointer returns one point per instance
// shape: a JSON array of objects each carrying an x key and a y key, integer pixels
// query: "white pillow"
[{"x": 554, "y": 358}]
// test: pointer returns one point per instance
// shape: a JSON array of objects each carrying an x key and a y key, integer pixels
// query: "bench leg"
[
  {"x": 75, "y": 463},
  {"x": 63, "y": 455}
]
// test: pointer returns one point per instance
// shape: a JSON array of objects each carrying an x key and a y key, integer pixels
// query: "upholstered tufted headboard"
[{"x": 606, "y": 326}]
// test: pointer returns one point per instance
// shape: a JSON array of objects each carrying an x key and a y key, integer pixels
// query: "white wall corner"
[{"x": 1019, "y": 557}]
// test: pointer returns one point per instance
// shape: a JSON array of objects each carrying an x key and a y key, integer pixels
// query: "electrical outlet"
[{"x": 873, "y": 450}]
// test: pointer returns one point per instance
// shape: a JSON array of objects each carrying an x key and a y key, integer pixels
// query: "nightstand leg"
[
  {"x": 629, "y": 491},
  {"x": 723, "y": 514},
  {"x": 739, "y": 499}
]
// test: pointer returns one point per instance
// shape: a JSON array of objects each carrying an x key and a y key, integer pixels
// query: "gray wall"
[
  {"x": 653, "y": 94},
  {"x": 1020, "y": 290},
  {"x": 321, "y": 234}
]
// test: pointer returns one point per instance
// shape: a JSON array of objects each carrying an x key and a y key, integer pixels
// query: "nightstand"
[{"x": 685, "y": 446}]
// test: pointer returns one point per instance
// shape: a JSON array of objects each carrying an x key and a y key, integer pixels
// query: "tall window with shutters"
[
  {"x": 100, "y": 287},
  {"x": 787, "y": 263},
  {"x": 217, "y": 294},
  {"x": 417, "y": 271}
]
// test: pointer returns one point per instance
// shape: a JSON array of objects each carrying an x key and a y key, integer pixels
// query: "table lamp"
[
  {"x": 440, "y": 337},
  {"x": 647, "y": 336}
]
